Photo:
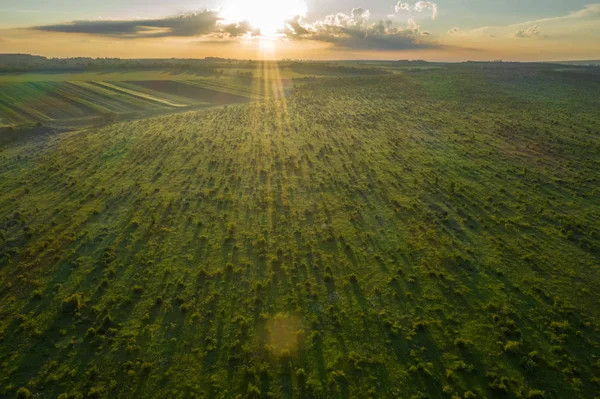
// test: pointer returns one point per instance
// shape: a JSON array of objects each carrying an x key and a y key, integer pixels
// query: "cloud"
[
  {"x": 591, "y": 12},
  {"x": 454, "y": 32},
  {"x": 225, "y": 41},
  {"x": 358, "y": 19},
  {"x": 532, "y": 31},
  {"x": 419, "y": 6},
  {"x": 295, "y": 27},
  {"x": 354, "y": 31},
  {"x": 237, "y": 29},
  {"x": 192, "y": 24}
]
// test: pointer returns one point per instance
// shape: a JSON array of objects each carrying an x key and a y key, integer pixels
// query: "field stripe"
[
  {"x": 167, "y": 96},
  {"x": 140, "y": 94},
  {"x": 116, "y": 101},
  {"x": 227, "y": 87}
]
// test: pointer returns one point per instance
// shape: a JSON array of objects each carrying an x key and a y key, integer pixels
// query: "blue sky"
[
  {"x": 469, "y": 13},
  {"x": 462, "y": 28}
]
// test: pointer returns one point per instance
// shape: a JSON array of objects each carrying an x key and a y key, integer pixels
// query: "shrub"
[
  {"x": 23, "y": 393},
  {"x": 512, "y": 346},
  {"x": 195, "y": 316},
  {"x": 536, "y": 393},
  {"x": 462, "y": 342},
  {"x": 529, "y": 361},
  {"x": 73, "y": 303},
  {"x": 96, "y": 392},
  {"x": 497, "y": 383},
  {"x": 107, "y": 321},
  {"x": 137, "y": 289},
  {"x": 146, "y": 367},
  {"x": 253, "y": 391},
  {"x": 301, "y": 375}
]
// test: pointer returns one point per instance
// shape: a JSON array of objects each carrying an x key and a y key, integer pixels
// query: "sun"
[{"x": 268, "y": 16}]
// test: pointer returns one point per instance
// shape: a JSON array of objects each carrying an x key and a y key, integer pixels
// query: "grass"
[{"x": 406, "y": 235}]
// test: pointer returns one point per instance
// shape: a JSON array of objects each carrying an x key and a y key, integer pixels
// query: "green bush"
[
  {"x": 253, "y": 392},
  {"x": 512, "y": 346},
  {"x": 137, "y": 289},
  {"x": 536, "y": 394},
  {"x": 23, "y": 393},
  {"x": 72, "y": 303}
]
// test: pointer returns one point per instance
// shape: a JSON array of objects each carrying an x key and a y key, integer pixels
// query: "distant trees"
[
  {"x": 326, "y": 69},
  {"x": 244, "y": 75},
  {"x": 29, "y": 63}
]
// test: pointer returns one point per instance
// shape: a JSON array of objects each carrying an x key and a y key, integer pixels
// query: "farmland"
[
  {"x": 93, "y": 97},
  {"x": 394, "y": 233},
  {"x": 50, "y": 101}
]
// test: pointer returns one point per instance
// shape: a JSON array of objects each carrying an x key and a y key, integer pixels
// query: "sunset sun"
[{"x": 267, "y": 16}]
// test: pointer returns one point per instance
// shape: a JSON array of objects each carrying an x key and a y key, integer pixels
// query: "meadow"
[{"x": 419, "y": 233}]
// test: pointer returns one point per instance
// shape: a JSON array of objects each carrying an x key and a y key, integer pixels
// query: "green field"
[
  {"x": 50, "y": 101},
  {"x": 57, "y": 97},
  {"x": 417, "y": 234}
]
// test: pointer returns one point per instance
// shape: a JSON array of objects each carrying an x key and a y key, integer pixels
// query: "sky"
[{"x": 443, "y": 30}]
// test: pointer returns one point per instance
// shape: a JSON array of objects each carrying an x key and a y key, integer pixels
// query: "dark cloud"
[
  {"x": 192, "y": 24},
  {"x": 211, "y": 41},
  {"x": 294, "y": 27},
  {"x": 355, "y": 32},
  {"x": 239, "y": 29},
  {"x": 354, "y": 39}
]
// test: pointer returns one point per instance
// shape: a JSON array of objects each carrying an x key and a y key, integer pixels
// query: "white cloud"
[
  {"x": 355, "y": 31},
  {"x": 532, "y": 31},
  {"x": 419, "y": 6}
]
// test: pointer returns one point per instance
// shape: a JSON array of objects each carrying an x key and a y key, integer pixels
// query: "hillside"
[{"x": 433, "y": 234}]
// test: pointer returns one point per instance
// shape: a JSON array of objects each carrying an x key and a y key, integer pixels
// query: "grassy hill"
[{"x": 432, "y": 234}]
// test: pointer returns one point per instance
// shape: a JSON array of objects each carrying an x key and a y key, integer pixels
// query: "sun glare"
[{"x": 268, "y": 16}]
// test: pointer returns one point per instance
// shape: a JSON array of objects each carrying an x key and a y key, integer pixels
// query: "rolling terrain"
[
  {"x": 422, "y": 234},
  {"x": 92, "y": 97},
  {"x": 71, "y": 100}
]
